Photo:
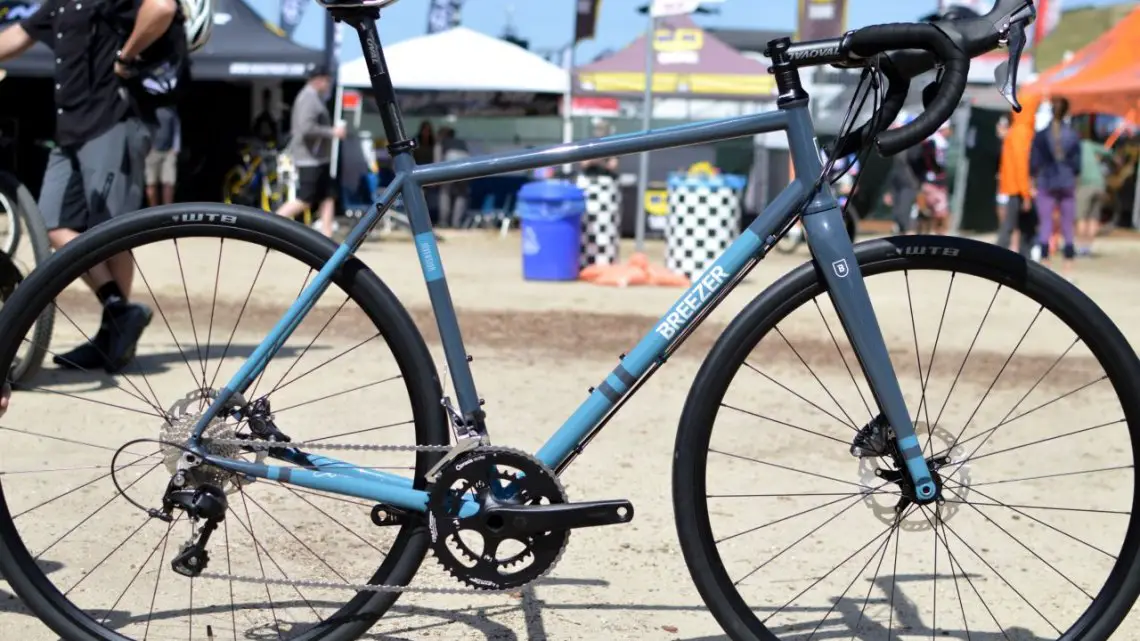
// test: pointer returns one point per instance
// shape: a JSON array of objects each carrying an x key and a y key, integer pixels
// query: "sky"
[{"x": 549, "y": 24}]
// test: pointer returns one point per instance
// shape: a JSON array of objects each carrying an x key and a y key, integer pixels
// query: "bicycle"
[
  {"x": 265, "y": 179},
  {"x": 466, "y": 500},
  {"x": 22, "y": 220}
]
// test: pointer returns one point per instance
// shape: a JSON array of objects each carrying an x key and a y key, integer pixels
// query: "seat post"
[{"x": 363, "y": 20}]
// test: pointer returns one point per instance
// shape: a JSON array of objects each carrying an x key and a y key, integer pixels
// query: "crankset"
[{"x": 523, "y": 522}]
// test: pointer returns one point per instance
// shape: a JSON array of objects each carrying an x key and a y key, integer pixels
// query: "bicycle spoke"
[
  {"x": 850, "y": 426},
  {"x": 1001, "y": 371},
  {"x": 333, "y": 519},
  {"x": 230, "y": 572},
  {"x": 190, "y": 312},
  {"x": 784, "y": 467},
  {"x": 329, "y": 361},
  {"x": 843, "y": 358},
  {"x": 297, "y": 539},
  {"x": 789, "y": 517},
  {"x": 1022, "y": 544},
  {"x": 779, "y": 422},
  {"x": 866, "y": 545},
  {"x": 965, "y": 359},
  {"x": 156, "y": 404},
  {"x": 94, "y": 512},
  {"x": 241, "y": 313},
  {"x": 213, "y": 309},
  {"x": 260, "y": 564},
  {"x": 1000, "y": 576},
  {"x": 1115, "y": 468},
  {"x": 811, "y": 371},
  {"x": 304, "y": 351},
  {"x": 261, "y": 374},
  {"x": 797, "y": 541},
  {"x": 1036, "y": 520},
  {"x": 118, "y": 547},
  {"x": 75, "y": 489},
  {"x": 258, "y": 544},
  {"x": 162, "y": 314},
  {"x": 867, "y": 599},
  {"x": 157, "y": 578},
  {"x": 971, "y": 459},
  {"x": 161, "y": 542},
  {"x": 365, "y": 430},
  {"x": 347, "y": 391}
]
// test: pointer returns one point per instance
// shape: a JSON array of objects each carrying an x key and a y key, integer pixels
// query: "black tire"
[
  {"x": 15, "y": 230},
  {"x": 251, "y": 225},
  {"x": 1060, "y": 298},
  {"x": 27, "y": 214}
]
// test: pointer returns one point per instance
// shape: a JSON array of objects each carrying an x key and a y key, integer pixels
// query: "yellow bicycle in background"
[{"x": 265, "y": 178}]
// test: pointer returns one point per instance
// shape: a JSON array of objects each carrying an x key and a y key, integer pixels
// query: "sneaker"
[
  {"x": 126, "y": 322},
  {"x": 88, "y": 356},
  {"x": 1035, "y": 254}
]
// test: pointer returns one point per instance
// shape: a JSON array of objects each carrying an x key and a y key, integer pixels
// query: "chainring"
[{"x": 465, "y": 546}]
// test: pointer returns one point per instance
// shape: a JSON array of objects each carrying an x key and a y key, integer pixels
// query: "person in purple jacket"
[{"x": 1054, "y": 165}]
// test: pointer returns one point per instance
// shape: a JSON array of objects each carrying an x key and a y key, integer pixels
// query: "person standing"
[
  {"x": 95, "y": 172},
  {"x": 453, "y": 197},
  {"x": 311, "y": 148},
  {"x": 928, "y": 162},
  {"x": 1017, "y": 226},
  {"x": 1090, "y": 193},
  {"x": 162, "y": 161},
  {"x": 1055, "y": 164}
]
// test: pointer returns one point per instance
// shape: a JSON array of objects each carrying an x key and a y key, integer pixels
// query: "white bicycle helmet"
[{"x": 198, "y": 16}]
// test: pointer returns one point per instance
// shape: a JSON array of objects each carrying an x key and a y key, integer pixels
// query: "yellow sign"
[
  {"x": 657, "y": 202},
  {"x": 687, "y": 83}
]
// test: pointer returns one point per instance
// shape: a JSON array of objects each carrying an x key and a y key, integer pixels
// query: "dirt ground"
[{"x": 537, "y": 347}]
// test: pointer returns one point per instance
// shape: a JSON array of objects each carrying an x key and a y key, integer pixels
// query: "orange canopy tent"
[{"x": 1103, "y": 77}]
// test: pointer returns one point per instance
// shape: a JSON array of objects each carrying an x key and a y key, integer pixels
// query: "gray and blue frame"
[{"x": 826, "y": 233}]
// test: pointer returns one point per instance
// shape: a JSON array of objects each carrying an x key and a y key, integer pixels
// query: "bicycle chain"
[{"x": 363, "y": 587}]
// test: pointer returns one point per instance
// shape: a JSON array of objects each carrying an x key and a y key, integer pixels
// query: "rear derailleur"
[{"x": 205, "y": 502}]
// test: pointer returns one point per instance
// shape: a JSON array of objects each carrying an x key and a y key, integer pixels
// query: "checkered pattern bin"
[
  {"x": 704, "y": 219},
  {"x": 601, "y": 224}
]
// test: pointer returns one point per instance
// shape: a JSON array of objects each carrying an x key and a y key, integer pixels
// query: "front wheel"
[
  {"x": 792, "y": 515},
  {"x": 210, "y": 282}
]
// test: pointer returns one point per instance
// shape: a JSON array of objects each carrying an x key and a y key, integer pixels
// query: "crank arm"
[{"x": 522, "y": 520}]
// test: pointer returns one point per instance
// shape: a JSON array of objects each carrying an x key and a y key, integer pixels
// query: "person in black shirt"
[{"x": 96, "y": 170}]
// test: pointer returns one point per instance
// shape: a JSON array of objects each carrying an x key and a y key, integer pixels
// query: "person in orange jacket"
[{"x": 1014, "y": 181}]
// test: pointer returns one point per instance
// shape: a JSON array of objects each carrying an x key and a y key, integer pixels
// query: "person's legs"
[
  {"x": 168, "y": 176},
  {"x": 112, "y": 167},
  {"x": 1007, "y": 222},
  {"x": 308, "y": 184},
  {"x": 1046, "y": 205},
  {"x": 327, "y": 188},
  {"x": 446, "y": 200},
  {"x": 1067, "y": 208},
  {"x": 152, "y": 171},
  {"x": 902, "y": 202}
]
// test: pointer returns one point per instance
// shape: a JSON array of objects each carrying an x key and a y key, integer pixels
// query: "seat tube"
[
  {"x": 834, "y": 255},
  {"x": 401, "y": 146}
]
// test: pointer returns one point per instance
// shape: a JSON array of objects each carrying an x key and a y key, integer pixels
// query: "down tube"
[{"x": 656, "y": 344}]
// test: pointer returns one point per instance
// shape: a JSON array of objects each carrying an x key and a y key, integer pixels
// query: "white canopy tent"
[{"x": 461, "y": 59}]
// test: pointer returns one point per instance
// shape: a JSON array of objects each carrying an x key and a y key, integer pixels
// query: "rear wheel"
[
  {"x": 1026, "y": 398},
  {"x": 30, "y": 249},
  {"x": 355, "y": 373}
]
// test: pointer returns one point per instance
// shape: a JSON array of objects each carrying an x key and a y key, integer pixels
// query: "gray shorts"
[{"x": 101, "y": 179}]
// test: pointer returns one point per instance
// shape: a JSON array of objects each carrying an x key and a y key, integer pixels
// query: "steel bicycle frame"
[{"x": 827, "y": 237}]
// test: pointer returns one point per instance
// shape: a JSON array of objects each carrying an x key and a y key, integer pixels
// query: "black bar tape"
[{"x": 873, "y": 40}]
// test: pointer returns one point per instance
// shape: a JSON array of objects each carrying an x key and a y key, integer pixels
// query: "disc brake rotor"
[
  {"x": 183, "y": 416},
  {"x": 883, "y": 504}
]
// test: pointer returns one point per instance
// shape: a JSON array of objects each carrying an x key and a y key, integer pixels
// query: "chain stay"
[{"x": 256, "y": 444}]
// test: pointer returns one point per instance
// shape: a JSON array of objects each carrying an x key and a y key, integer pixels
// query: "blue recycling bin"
[{"x": 550, "y": 217}]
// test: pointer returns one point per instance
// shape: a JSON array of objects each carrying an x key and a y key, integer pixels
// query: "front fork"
[{"x": 834, "y": 257}]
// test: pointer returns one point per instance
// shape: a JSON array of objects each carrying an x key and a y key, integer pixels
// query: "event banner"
[
  {"x": 820, "y": 19},
  {"x": 587, "y": 23},
  {"x": 291, "y": 13},
  {"x": 444, "y": 15}
]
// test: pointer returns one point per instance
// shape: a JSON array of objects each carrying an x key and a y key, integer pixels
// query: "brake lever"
[
  {"x": 1014, "y": 40},
  {"x": 1006, "y": 72}
]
